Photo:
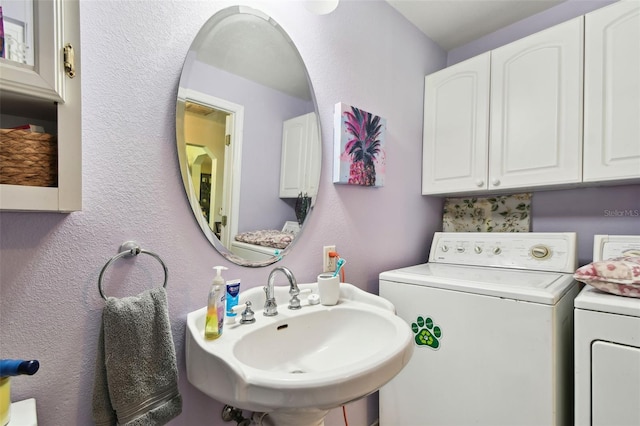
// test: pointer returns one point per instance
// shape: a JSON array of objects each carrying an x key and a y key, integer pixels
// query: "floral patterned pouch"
[{"x": 620, "y": 276}]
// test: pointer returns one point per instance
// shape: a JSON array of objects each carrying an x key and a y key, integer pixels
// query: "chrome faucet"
[{"x": 270, "y": 306}]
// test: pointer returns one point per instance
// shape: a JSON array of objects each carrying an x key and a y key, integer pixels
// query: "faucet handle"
[
  {"x": 294, "y": 302},
  {"x": 247, "y": 313}
]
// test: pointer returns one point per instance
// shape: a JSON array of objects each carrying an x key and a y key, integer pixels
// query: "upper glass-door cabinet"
[{"x": 40, "y": 94}]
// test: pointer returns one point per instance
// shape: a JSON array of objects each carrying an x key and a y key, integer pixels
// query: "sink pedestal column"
[{"x": 301, "y": 417}]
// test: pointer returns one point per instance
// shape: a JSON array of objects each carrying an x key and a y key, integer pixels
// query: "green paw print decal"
[{"x": 426, "y": 333}]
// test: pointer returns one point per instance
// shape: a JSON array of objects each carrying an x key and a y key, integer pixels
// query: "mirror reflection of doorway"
[
  {"x": 203, "y": 166},
  {"x": 205, "y": 131},
  {"x": 205, "y": 195}
]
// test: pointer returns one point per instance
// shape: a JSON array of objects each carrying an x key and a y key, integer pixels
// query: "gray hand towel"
[{"x": 136, "y": 377}]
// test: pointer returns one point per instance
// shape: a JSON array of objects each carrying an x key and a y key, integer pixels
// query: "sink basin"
[{"x": 301, "y": 363}]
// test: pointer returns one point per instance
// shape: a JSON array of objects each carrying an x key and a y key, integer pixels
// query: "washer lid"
[
  {"x": 592, "y": 299},
  {"x": 530, "y": 286}
]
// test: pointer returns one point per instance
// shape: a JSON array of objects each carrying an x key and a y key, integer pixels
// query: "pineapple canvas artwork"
[{"x": 359, "y": 147}]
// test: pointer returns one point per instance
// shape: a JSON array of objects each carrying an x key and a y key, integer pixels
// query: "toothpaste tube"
[{"x": 233, "y": 294}]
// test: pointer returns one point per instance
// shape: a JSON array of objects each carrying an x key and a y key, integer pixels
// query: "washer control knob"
[
  {"x": 444, "y": 248},
  {"x": 477, "y": 249},
  {"x": 497, "y": 250},
  {"x": 540, "y": 251},
  {"x": 460, "y": 249}
]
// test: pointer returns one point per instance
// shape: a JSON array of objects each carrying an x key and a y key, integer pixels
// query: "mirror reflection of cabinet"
[
  {"x": 299, "y": 165},
  {"x": 46, "y": 94}
]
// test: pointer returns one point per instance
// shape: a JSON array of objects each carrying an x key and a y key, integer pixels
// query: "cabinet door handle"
[
  {"x": 479, "y": 183},
  {"x": 495, "y": 182},
  {"x": 69, "y": 61}
]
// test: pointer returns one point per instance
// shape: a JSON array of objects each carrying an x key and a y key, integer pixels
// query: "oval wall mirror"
[{"x": 248, "y": 136}]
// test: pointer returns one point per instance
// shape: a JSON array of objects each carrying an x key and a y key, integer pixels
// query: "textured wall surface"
[
  {"x": 132, "y": 55},
  {"x": 364, "y": 54}
]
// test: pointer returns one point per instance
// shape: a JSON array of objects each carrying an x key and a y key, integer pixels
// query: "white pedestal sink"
[{"x": 302, "y": 363}]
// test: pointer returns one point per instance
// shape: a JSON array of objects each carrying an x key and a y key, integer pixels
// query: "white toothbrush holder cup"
[{"x": 329, "y": 289}]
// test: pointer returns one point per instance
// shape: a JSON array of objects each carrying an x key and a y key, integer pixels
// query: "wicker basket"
[{"x": 28, "y": 158}]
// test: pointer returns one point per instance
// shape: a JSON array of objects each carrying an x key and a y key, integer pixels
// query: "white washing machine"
[
  {"x": 492, "y": 316},
  {"x": 607, "y": 348}
]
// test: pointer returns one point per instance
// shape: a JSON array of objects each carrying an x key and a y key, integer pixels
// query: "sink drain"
[{"x": 297, "y": 372}]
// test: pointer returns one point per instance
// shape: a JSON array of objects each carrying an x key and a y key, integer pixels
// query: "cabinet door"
[
  {"x": 456, "y": 119},
  {"x": 313, "y": 157},
  {"x": 612, "y": 93},
  {"x": 292, "y": 163},
  {"x": 26, "y": 88},
  {"x": 536, "y": 109},
  {"x": 43, "y": 80}
]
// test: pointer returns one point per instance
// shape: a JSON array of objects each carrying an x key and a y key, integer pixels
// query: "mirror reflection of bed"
[{"x": 264, "y": 244}]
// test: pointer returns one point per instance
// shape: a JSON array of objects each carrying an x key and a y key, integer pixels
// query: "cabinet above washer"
[
  {"x": 513, "y": 118},
  {"x": 612, "y": 93}
]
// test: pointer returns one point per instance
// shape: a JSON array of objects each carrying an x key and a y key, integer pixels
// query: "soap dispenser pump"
[{"x": 215, "y": 307}]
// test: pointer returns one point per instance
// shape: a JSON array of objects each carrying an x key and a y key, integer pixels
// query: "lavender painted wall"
[
  {"x": 588, "y": 211},
  {"x": 49, "y": 263},
  {"x": 132, "y": 55},
  {"x": 564, "y": 11},
  {"x": 265, "y": 110}
]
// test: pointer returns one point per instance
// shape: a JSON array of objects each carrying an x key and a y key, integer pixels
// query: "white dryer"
[
  {"x": 607, "y": 348},
  {"x": 492, "y": 316}
]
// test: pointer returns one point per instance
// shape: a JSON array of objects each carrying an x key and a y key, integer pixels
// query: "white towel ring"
[{"x": 129, "y": 249}]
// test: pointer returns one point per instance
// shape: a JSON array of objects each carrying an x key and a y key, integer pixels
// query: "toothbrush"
[{"x": 339, "y": 265}]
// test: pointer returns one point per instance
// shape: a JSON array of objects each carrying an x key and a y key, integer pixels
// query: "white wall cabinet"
[
  {"x": 536, "y": 109},
  {"x": 299, "y": 164},
  {"x": 45, "y": 89},
  {"x": 510, "y": 118},
  {"x": 456, "y": 127},
  {"x": 612, "y": 93},
  {"x": 542, "y": 131}
]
